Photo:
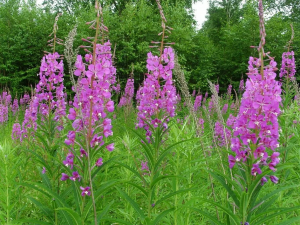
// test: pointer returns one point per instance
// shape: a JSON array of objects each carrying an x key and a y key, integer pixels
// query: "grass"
[{"x": 189, "y": 194}]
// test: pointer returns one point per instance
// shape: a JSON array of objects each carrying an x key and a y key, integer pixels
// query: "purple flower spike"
[
  {"x": 85, "y": 191},
  {"x": 16, "y": 132},
  {"x": 157, "y": 95},
  {"x": 126, "y": 99},
  {"x": 256, "y": 128},
  {"x": 288, "y": 66},
  {"x": 197, "y": 103}
]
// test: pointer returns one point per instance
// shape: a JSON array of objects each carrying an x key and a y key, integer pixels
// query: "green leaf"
[
  {"x": 46, "y": 180},
  {"x": 147, "y": 147},
  {"x": 290, "y": 221},
  {"x": 161, "y": 216},
  {"x": 132, "y": 203},
  {"x": 77, "y": 196},
  {"x": 31, "y": 222},
  {"x": 139, "y": 187},
  {"x": 207, "y": 215},
  {"x": 46, "y": 211},
  {"x": 100, "y": 190},
  {"x": 166, "y": 152},
  {"x": 232, "y": 193},
  {"x": 113, "y": 220},
  {"x": 160, "y": 178},
  {"x": 49, "y": 193},
  {"x": 76, "y": 218},
  {"x": 227, "y": 211},
  {"x": 173, "y": 194},
  {"x": 104, "y": 211},
  {"x": 269, "y": 217},
  {"x": 103, "y": 166},
  {"x": 132, "y": 170},
  {"x": 264, "y": 206}
]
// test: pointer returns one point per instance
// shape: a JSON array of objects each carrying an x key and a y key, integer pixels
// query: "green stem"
[
  {"x": 149, "y": 196},
  {"x": 176, "y": 188},
  {"x": 7, "y": 192}
]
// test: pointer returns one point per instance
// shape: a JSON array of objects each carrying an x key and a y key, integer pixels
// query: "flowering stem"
[
  {"x": 89, "y": 137},
  {"x": 262, "y": 63}
]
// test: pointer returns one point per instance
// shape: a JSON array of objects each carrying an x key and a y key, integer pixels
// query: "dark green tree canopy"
[{"x": 219, "y": 51}]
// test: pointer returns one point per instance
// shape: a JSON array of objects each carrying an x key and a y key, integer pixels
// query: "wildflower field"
[{"x": 150, "y": 152}]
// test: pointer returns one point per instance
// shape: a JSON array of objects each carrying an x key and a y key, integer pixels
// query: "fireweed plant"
[
  {"x": 126, "y": 101},
  {"x": 288, "y": 80},
  {"x": 90, "y": 114},
  {"x": 255, "y": 141},
  {"x": 156, "y": 104}
]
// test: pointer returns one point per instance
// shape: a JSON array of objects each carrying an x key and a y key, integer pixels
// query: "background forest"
[{"x": 219, "y": 51}]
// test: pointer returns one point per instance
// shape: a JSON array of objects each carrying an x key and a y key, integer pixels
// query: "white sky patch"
[
  {"x": 39, "y": 2},
  {"x": 200, "y": 10}
]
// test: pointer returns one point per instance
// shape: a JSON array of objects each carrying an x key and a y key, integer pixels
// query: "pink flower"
[
  {"x": 110, "y": 106},
  {"x": 99, "y": 162},
  {"x": 274, "y": 179},
  {"x": 64, "y": 177},
  {"x": 85, "y": 191},
  {"x": 110, "y": 147},
  {"x": 75, "y": 176},
  {"x": 72, "y": 115}
]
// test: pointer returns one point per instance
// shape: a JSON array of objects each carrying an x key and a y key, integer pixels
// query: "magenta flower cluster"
[
  {"x": 3, "y": 113},
  {"x": 15, "y": 106},
  {"x": 126, "y": 99},
  {"x": 16, "y": 132},
  {"x": 197, "y": 103},
  {"x": 255, "y": 130},
  {"x": 222, "y": 134},
  {"x": 241, "y": 86},
  {"x": 157, "y": 97},
  {"x": 91, "y": 106},
  {"x": 29, "y": 124},
  {"x": 25, "y": 100},
  {"x": 5, "y": 101},
  {"x": 50, "y": 89},
  {"x": 229, "y": 90},
  {"x": 288, "y": 66}
]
